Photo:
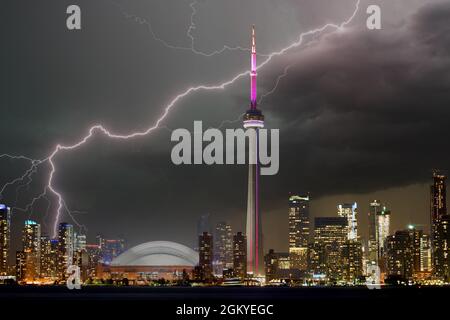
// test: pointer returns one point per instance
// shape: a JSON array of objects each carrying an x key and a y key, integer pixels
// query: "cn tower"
[{"x": 254, "y": 120}]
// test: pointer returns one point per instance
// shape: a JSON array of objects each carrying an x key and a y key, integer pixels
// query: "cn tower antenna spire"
[
  {"x": 254, "y": 120},
  {"x": 253, "y": 72}
]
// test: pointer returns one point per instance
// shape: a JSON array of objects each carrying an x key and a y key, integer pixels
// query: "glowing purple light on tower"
[{"x": 253, "y": 72}]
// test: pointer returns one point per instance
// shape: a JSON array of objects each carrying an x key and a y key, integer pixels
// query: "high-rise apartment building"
[
  {"x": 205, "y": 250},
  {"x": 240, "y": 255},
  {"x": 31, "y": 247},
  {"x": 330, "y": 234},
  {"x": 223, "y": 248},
  {"x": 5, "y": 234}
]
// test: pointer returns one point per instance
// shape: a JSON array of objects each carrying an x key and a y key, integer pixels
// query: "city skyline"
[
  {"x": 381, "y": 147},
  {"x": 327, "y": 251},
  {"x": 211, "y": 220}
]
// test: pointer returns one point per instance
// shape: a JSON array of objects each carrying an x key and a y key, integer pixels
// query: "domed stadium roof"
[{"x": 157, "y": 253}]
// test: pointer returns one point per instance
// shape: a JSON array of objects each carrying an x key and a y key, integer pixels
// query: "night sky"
[{"x": 362, "y": 114}]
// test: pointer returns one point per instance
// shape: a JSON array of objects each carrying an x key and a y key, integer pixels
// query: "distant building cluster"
[
  {"x": 324, "y": 251},
  {"x": 331, "y": 252},
  {"x": 44, "y": 260}
]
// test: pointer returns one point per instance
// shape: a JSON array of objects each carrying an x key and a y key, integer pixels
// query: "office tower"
[
  {"x": 383, "y": 218},
  {"x": 298, "y": 258},
  {"x": 95, "y": 256},
  {"x": 65, "y": 248},
  {"x": 425, "y": 254},
  {"x": 277, "y": 265},
  {"x": 438, "y": 218},
  {"x": 330, "y": 234},
  {"x": 111, "y": 249},
  {"x": 298, "y": 231},
  {"x": 5, "y": 233},
  {"x": 352, "y": 261},
  {"x": 415, "y": 235},
  {"x": 298, "y": 221},
  {"x": 240, "y": 255},
  {"x": 374, "y": 210},
  {"x": 349, "y": 211},
  {"x": 81, "y": 259},
  {"x": 316, "y": 259},
  {"x": 399, "y": 255},
  {"x": 253, "y": 120},
  {"x": 223, "y": 248},
  {"x": 79, "y": 241},
  {"x": 45, "y": 256},
  {"x": 31, "y": 247},
  {"x": 379, "y": 229},
  {"x": 443, "y": 250},
  {"x": 20, "y": 266},
  {"x": 205, "y": 250},
  {"x": 49, "y": 257}
]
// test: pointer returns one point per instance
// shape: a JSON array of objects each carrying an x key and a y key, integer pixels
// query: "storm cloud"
[{"x": 360, "y": 112}]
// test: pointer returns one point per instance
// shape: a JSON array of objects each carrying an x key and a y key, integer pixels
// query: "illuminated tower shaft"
[{"x": 253, "y": 120}]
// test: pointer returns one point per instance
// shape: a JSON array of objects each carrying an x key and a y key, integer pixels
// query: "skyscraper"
[
  {"x": 79, "y": 241},
  {"x": 438, "y": 218},
  {"x": 5, "y": 232},
  {"x": 65, "y": 248},
  {"x": 351, "y": 261},
  {"x": 442, "y": 267},
  {"x": 298, "y": 231},
  {"x": 330, "y": 234},
  {"x": 425, "y": 254},
  {"x": 379, "y": 229},
  {"x": 223, "y": 248},
  {"x": 416, "y": 235},
  {"x": 298, "y": 221},
  {"x": 253, "y": 120},
  {"x": 49, "y": 257},
  {"x": 240, "y": 255},
  {"x": 205, "y": 250},
  {"x": 31, "y": 242},
  {"x": 399, "y": 251},
  {"x": 95, "y": 256},
  {"x": 349, "y": 211},
  {"x": 383, "y": 219},
  {"x": 20, "y": 265},
  {"x": 374, "y": 210}
]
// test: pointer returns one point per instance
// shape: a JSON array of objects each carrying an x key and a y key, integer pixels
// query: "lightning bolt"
[
  {"x": 191, "y": 27},
  {"x": 98, "y": 128},
  {"x": 277, "y": 81}
]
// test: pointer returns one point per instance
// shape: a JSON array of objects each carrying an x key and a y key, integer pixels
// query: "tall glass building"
[
  {"x": 65, "y": 248},
  {"x": 31, "y": 241},
  {"x": 349, "y": 211},
  {"x": 5, "y": 234},
  {"x": 299, "y": 231},
  {"x": 223, "y": 248},
  {"x": 439, "y": 225}
]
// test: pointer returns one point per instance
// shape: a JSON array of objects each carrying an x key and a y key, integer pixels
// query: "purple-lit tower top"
[
  {"x": 253, "y": 72},
  {"x": 253, "y": 117}
]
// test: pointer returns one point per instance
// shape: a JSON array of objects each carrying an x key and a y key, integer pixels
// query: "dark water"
[{"x": 324, "y": 302}]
